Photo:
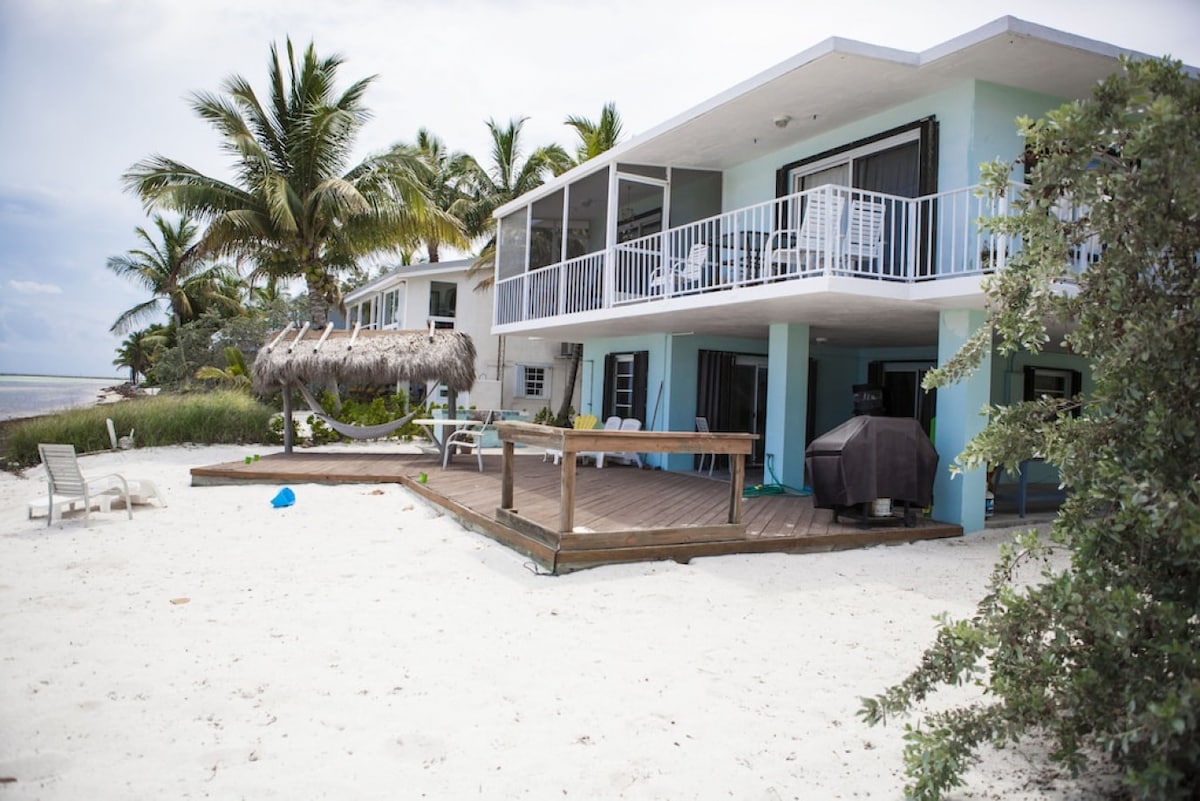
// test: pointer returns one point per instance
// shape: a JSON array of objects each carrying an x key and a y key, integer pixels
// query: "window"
[
  {"x": 532, "y": 381},
  {"x": 902, "y": 161},
  {"x": 443, "y": 303},
  {"x": 1055, "y": 383},
  {"x": 393, "y": 311},
  {"x": 877, "y": 170}
]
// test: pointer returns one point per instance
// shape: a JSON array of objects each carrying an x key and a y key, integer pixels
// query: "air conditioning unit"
[{"x": 566, "y": 350}]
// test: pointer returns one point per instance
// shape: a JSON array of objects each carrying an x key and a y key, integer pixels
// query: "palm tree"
[
  {"x": 173, "y": 271},
  {"x": 236, "y": 375},
  {"x": 445, "y": 177},
  {"x": 295, "y": 207},
  {"x": 508, "y": 176},
  {"x": 596, "y": 137},
  {"x": 139, "y": 351}
]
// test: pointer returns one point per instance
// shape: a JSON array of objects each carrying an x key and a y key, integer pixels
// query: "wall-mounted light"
[{"x": 782, "y": 121}]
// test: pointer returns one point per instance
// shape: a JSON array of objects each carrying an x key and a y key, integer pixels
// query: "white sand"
[{"x": 361, "y": 644}]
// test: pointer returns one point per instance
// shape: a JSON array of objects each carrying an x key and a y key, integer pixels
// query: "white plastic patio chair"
[
  {"x": 702, "y": 428},
  {"x": 800, "y": 250},
  {"x": 682, "y": 275},
  {"x": 628, "y": 424},
  {"x": 468, "y": 438},
  {"x": 66, "y": 486}
]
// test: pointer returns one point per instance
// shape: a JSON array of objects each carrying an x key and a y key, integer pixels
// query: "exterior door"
[{"x": 748, "y": 402}]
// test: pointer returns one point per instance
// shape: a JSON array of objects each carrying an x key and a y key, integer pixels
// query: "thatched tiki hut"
[{"x": 296, "y": 358}]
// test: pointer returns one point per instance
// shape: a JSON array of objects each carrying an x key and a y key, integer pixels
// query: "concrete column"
[
  {"x": 787, "y": 403},
  {"x": 959, "y": 418}
]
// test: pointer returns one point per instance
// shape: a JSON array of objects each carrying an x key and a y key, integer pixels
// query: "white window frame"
[
  {"x": 392, "y": 314},
  {"x": 1064, "y": 377},
  {"x": 797, "y": 174},
  {"x": 520, "y": 381}
]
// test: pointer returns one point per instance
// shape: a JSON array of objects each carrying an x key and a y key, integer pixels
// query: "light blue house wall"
[{"x": 976, "y": 123}]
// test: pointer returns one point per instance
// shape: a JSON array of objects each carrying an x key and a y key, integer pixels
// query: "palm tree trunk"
[
  {"x": 564, "y": 409},
  {"x": 319, "y": 293}
]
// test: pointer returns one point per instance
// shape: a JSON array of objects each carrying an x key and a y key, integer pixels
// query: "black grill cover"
[{"x": 871, "y": 457}]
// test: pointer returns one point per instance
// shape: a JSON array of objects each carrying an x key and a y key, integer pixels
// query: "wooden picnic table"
[{"x": 570, "y": 442}]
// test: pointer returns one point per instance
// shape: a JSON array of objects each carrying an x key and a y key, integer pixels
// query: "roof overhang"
[{"x": 840, "y": 81}]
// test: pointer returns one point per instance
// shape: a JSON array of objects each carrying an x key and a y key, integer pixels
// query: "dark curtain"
[
  {"x": 714, "y": 382},
  {"x": 714, "y": 385},
  {"x": 641, "y": 363},
  {"x": 896, "y": 171}
]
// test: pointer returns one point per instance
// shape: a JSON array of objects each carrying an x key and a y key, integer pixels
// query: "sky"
[{"x": 89, "y": 87}]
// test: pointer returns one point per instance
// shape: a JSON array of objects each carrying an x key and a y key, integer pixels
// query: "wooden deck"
[{"x": 622, "y": 514}]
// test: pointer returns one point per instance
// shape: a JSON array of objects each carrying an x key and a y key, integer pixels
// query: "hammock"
[{"x": 350, "y": 429}]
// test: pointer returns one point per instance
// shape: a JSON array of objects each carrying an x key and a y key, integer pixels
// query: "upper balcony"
[{"x": 827, "y": 239}]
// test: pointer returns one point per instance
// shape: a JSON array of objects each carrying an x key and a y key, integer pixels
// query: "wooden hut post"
[{"x": 287, "y": 419}]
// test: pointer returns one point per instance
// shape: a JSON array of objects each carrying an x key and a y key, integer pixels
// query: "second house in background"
[{"x": 512, "y": 372}]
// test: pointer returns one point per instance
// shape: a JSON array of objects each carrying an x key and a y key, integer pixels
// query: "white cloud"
[{"x": 34, "y": 288}]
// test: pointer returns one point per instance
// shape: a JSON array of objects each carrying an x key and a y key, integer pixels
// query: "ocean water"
[{"x": 31, "y": 395}]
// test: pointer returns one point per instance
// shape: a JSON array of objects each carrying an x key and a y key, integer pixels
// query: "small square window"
[{"x": 533, "y": 381}]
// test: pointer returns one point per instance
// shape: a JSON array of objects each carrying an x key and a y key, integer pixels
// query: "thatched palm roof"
[{"x": 365, "y": 357}]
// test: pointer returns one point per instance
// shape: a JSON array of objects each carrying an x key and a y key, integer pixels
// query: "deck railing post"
[
  {"x": 506, "y": 476},
  {"x": 737, "y": 482},
  {"x": 566, "y": 501}
]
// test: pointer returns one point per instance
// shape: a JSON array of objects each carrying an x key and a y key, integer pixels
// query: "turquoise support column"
[
  {"x": 959, "y": 418},
  {"x": 787, "y": 403}
]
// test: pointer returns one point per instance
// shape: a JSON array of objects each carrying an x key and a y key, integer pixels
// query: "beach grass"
[{"x": 203, "y": 418}]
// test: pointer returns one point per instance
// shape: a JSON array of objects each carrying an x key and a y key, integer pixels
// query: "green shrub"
[
  {"x": 204, "y": 418},
  {"x": 1102, "y": 658}
]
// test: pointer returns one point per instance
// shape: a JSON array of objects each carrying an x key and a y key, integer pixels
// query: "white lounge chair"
[
  {"x": 864, "y": 235},
  {"x": 611, "y": 423},
  {"x": 68, "y": 488},
  {"x": 628, "y": 424}
]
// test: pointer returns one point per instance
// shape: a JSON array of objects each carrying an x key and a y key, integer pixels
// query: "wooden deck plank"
[{"x": 622, "y": 513}]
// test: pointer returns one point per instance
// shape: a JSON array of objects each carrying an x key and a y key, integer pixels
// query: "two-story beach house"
[
  {"x": 513, "y": 373},
  {"x": 804, "y": 236}
]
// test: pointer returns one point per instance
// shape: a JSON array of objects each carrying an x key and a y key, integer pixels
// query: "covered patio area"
[{"x": 622, "y": 513}]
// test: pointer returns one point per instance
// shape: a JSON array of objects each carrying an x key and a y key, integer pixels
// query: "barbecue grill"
[{"x": 870, "y": 458}]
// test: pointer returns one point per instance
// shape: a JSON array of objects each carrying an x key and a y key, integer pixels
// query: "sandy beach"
[{"x": 360, "y": 644}]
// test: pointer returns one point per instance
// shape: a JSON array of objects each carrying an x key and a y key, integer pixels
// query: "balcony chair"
[
  {"x": 864, "y": 236},
  {"x": 702, "y": 428},
  {"x": 468, "y": 438},
  {"x": 67, "y": 486},
  {"x": 681, "y": 275},
  {"x": 792, "y": 251}
]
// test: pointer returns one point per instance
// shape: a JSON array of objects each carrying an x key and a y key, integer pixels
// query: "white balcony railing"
[{"x": 829, "y": 230}]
